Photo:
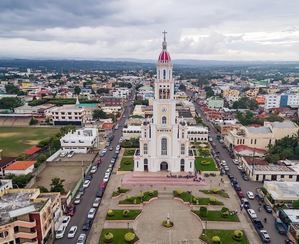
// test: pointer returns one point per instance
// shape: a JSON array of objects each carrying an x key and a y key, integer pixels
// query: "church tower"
[{"x": 164, "y": 145}]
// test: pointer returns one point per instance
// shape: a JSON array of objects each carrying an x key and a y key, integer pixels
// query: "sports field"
[{"x": 14, "y": 140}]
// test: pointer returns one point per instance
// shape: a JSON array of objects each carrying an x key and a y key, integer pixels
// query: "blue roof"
[{"x": 86, "y": 105}]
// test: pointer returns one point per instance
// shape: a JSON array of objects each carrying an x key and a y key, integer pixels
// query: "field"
[{"x": 14, "y": 141}]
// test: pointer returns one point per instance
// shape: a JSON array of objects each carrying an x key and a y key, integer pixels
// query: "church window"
[
  {"x": 163, "y": 120},
  {"x": 183, "y": 134},
  {"x": 182, "y": 149},
  {"x": 163, "y": 146},
  {"x": 145, "y": 148},
  {"x": 164, "y": 74}
]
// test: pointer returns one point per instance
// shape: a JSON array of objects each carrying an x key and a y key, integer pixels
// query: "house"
[
  {"x": 4, "y": 186},
  {"x": 20, "y": 168},
  {"x": 33, "y": 150},
  {"x": 80, "y": 141},
  {"x": 231, "y": 95},
  {"x": 282, "y": 191},
  {"x": 4, "y": 162}
]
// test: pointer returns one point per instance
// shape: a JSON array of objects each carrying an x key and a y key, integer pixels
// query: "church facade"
[{"x": 164, "y": 145}]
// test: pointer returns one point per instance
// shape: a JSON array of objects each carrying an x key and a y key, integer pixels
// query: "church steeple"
[{"x": 164, "y": 43}]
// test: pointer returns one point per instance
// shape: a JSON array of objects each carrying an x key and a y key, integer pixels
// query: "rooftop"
[
  {"x": 20, "y": 165},
  {"x": 283, "y": 190},
  {"x": 32, "y": 150},
  {"x": 284, "y": 124},
  {"x": 259, "y": 130}
]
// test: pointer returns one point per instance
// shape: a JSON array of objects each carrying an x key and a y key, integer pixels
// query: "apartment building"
[
  {"x": 231, "y": 95},
  {"x": 260, "y": 137},
  {"x": 27, "y": 216},
  {"x": 67, "y": 115},
  {"x": 121, "y": 93}
]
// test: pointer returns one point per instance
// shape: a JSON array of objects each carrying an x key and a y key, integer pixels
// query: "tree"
[
  {"x": 209, "y": 91},
  {"x": 43, "y": 189},
  {"x": 57, "y": 185},
  {"x": 20, "y": 180},
  {"x": 10, "y": 102},
  {"x": 182, "y": 87},
  {"x": 103, "y": 91},
  {"x": 245, "y": 103},
  {"x": 33, "y": 121},
  {"x": 77, "y": 90},
  {"x": 12, "y": 89},
  {"x": 99, "y": 114}
]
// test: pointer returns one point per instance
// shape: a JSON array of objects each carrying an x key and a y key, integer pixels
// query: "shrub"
[
  {"x": 126, "y": 213},
  {"x": 224, "y": 209},
  {"x": 224, "y": 214},
  {"x": 178, "y": 192},
  {"x": 216, "y": 240},
  {"x": 215, "y": 190},
  {"x": 151, "y": 193},
  {"x": 203, "y": 212},
  {"x": 130, "y": 237},
  {"x": 238, "y": 235},
  {"x": 110, "y": 213},
  {"x": 205, "y": 162},
  {"x": 108, "y": 237},
  {"x": 213, "y": 200}
]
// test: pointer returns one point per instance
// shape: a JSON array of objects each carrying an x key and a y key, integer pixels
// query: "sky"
[{"x": 196, "y": 29}]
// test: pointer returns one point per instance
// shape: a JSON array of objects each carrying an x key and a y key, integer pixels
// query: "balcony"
[
  {"x": 25, "y": 224},
  {"x": 26, "y": 235}
]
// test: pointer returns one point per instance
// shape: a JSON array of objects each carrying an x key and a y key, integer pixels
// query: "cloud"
[{"x": 201, "y": 29}]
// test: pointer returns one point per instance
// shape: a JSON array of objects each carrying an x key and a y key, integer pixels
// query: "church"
[{"x": 164, "y": 145}]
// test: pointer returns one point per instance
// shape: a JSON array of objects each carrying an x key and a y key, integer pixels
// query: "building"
[
  {"x": 111, "y": 101},
  {"x": 131, "y": 132},
  {"x": 164, "y": 144},
  {"x": 67, "y": 115},
  {"x": 121, "y": 92},
  {"x": 282, "y": 191},
  {"x": 215, "y": 102},
  {"x": 272, "y": 101},
  {"x": 197, "y": 133},
  {"x": 4, "y": 186},
  {"x": 282, "y": 100},
  {"x": 231, "y": 95},
  {"x": 289, "y": 219},
  {"x": 27, "y": 216},
  {"x": 260, "y": 137},
  {"x": 20, "y": 168},
  {"x": 80, "y": 141}
]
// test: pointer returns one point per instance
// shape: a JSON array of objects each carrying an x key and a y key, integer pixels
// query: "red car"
[
  {"x": 103, "y": 185},
  {"x": 240, "y": 194},
  {"x": 71, "y": 210}
]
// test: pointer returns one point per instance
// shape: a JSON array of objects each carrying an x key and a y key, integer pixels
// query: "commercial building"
[
  {"x": 80, "y": 141},
  {"x": 282, "y": 100},
  {"x": 67, "y": 115},
  {"x": 27, "y": 216},
  {"x": 260, "y": 137}
]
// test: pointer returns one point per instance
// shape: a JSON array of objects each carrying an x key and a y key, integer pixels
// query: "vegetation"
[
  {"x": 10, "y": 102},
  {"x": 248, "y": 118},
  {"x": 209, "y": 91},
  {"x": 285, "y": 148},
  {"x": 142, "y": 197},
  {"x": 99, "y": 114},
  {"x": 12, "y": 89},
  {"x": 33, "y": 121},
  {"x": 216, "y": 215},
  {"x": 126, "y": 164},
  {"x": 186, "y": 196},
  {"x": 119, "y": 191},
  {"x": 77, "y": 90},
  {"x": 141, "y": 102},
  {"x": 205, "y": 164},
  {"x": 129, "y": 152},
  {"x": 167, "y": 224},
  {"x": 216, "y": 191},
  {"x": 132, "y": 143},
  {"x": 119, "y": 214},
  {"x": 57, "y": 185},
  {"x": 245, "y": 103},
  {"x": 119, "y": 236},
  {"x": 20, "y": 180},
  {"x": 225, "y": 236}
]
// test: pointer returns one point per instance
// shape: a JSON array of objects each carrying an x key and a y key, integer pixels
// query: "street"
[
  {"x": 90, "y": 193},
  {"x": 245, "y": 185}
]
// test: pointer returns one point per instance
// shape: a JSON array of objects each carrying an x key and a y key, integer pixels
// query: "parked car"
[
  {"x": 264, "y": 236},
  {"x": 82, "y": 190},
  {"x": 81, "y": 239},
  {"x": 258, "y": 224},
  {"x": 60, "y": 232},
  {"x": 100, "y": 193},
  {"x": 70, "y": 211},
  {"x": 70, "y": 154},
  {"x": 112, "y": 160},
  {"x": 66, "y": 220},
  {"x": 93, "y": 169},
  {"x": 63, "y": 154},
  {"x": 251, "y": 213},
  {"x": 226, "y": 168},
  {"x": 245, "y": 203},
  {"x": 87, "y": 224},
  {"x": 267, "y": 208},
  {"x": 240, "y": 194},
  {"x": 240, "y": 167},
  {"x": 86, "y": 183},
  {"x": 237, "y": 187},
  {"x": 245, "y": 177},
  {"x": 111, "y": 148},
  {"x": 88, "y": 177},
  {"x": 108, "y": 171},
  {"x": 106, "y": 177},
  {"x": 72, "y": 232},
  {"x": 91, "y": 213},
  {"x": 78, "y": 198},
  {"x": 250, "y": 195},
  {"x": 236, "y": 161},
  {"x": 97, "y": 201},
  {"x": 280, "y": 228}
]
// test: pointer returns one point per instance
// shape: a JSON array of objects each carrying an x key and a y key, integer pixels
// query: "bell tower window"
[
  {"x": 163, "y": 146},
  {"x": 164, "y": 74},
  {"x": 163, "y": 120}
]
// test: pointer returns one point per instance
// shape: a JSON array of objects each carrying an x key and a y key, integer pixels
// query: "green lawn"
[
  {"x": 129, "y": 152},
  {"x": 187, "y": 197},
  {"x": 225, "y": 237},
  {"x": 119, "y": 191},
  {"x": 118, "y": 235},
  {"x": 214, "y": 215},
  {"x": 118, "y": 214},
  {"x": 14, "y": 140},
  {"x": 126, "y": 164},
  {"x": 146, "y": 196},
  {"x": 205, "y": 164},
  {"x": 219, "y": 192}
]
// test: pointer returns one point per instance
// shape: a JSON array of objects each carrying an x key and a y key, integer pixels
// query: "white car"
[
  {"x": 81, "y": 239},
  {"x": 63, "y": 154},
  {"x": 60, "y": 232},
  {"x": 96, "y": 202},
  {"x": 71, "y": 154},
  {"x": 223, "y": 162},
  {"x": 66, "y": 220},
  {"x": 236, "y": 161},
  {"x": 91, "y": 213},
  {"x": 226, "y": 168},
  {"x": 250, "y": 195},
  {"x": 86, "y": 183},
  {"x": 106, "y": 177},
  {"x": 108, "y": 171},
  {"x": 252, "y": 213},
  {"x": 240, "y": 167},
  {"x": 93, "y": 169},
  {"x": 265, "y": 236},
  {"x": 72, "y": 232}
]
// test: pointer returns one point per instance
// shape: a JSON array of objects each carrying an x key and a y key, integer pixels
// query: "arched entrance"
[{"x": 164, "y": 166}]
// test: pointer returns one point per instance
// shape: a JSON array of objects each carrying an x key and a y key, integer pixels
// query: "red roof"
[
  {"x": 255, "y": 161},
  {"x": 20, "y": 165},
  {"x": 164, "y": 57},
  {"x": 32, "y": 150},
  {"x": 107, "y": 126},
  {"x": 240, "y": 148}
]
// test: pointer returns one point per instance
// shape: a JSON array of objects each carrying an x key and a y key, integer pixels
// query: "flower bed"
[
  {"x": 119, "y": 191},
  {"x": 143, "y": 197},
  {"x": 122, "y": 214},
  {"x": 215, "y": 215},
  {"x": 118, "y": 236},
  {"x": 225, "y": 236},
  {"x": 126, "y": 164},
  {"x": 188, "y": 197},
  {"x": 216, "y": 191},
  {"x": 205, "y": 164}
]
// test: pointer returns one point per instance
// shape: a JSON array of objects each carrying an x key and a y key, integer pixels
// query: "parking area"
[{"x": 78, "y": 157}]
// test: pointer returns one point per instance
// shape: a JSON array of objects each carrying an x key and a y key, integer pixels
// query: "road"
[
  {"x": 245, "y": 185},
  {"x": 90, "y": 193}
]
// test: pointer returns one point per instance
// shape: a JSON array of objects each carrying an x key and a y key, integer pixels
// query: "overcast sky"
[{"x": 197, "y": 29}]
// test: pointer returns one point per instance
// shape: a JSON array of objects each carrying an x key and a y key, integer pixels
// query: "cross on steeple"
[
  {"x": 164, "y": 34},
  {"x": 164, "y": 43}
]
